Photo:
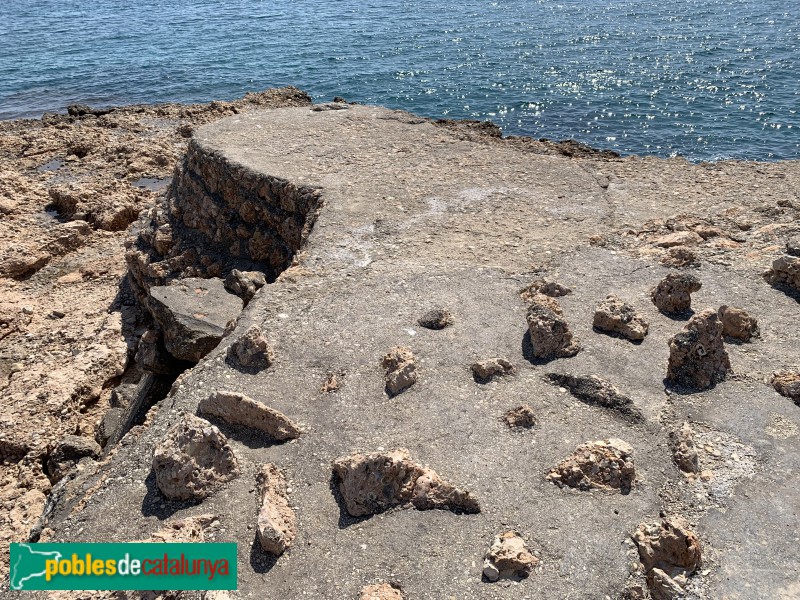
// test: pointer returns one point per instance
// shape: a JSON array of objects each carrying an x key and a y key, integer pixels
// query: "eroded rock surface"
[
  {"x": 551, "y": 336},
  {"x": 252, "y": 349},
  {"x": 785, "y": 272},
  {"x": 190, "y": 529},
  {"x": 381, "y": 591},
  {"x": 737, "y": 323},
  {"x": 606, "y": 465},
  {"x": 521, "y": 417},
  {"x": 436, "y": 318},
  {"x": 238, "y": 409},
  {"x": 670, "y": 553},
  {"x": 598, "y": 392},
  {"x": 400, "y": 367},
  {"x": 680, "y": 257},
  {"x": 508, "y": 558},
  {"x": 68, "y": 453},
  {"x": 697, "y": 355},
  {"x": 486, "y": 370},
  {"x": 277, "y": 526},
  {"x": 245, "y": 284},
  {"x": 614, "y": 315},
  {"x": 193, "y": 459},
  {"x": 673, "y": 294},
  {"x": 787, "y": 383},
  {"x": 684, "y": 451},
  {"x": 547, "y": 287},
  {"x": 373, "y": 483}
]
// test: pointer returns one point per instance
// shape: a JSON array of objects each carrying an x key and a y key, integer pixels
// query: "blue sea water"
[{"x": 705, "y": 79}]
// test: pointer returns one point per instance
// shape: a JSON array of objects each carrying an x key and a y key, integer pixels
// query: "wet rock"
[
  {"x": 277, "y": 525},
  {"x": 485, "y": 370},
  {"x": 508, "y": 558},
  {"x": 193, "y": 459},
  {"x": 670, "y": 553},
  {"x": 551, "y": 336},
  {"x": 381, "y": 591},
  {"x": 598, "y": 392},
  {"x": 673, "y": 294},
  {"x": 252, "y": 349},
  {"x": 605, "y": 465},
  {"x": 785, "y": 272},
  {"x": 373, "y": 483},
  {"x": 737, "y": 323},
  {"x": 679, "y": 238},
  {"x": 697, "y": 355},
  {"x": 684, "y": 452},
  {"x": 401, "y": 370},
  {"x": 68, "y": 453},
  {"x": 245, "y": 284},
  {"x": 543, "y": 286},
  {"x": 614, "y": 315},
  {"x": 436, "y": 318},
  {"x": 238, "y": 409},
  {"x": 793, "y": 246},
  {"x": 787, "y": 383},
  {"x": 521, "y": 417},
  {"x": 193, "y": 314}
]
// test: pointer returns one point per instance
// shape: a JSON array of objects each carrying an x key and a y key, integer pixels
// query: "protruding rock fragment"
[
  {"x": 793, "y": 246},
  {"x": 673, "y": 294},
  {"x": 785, "y": 272},
  {"x": 614, "y": 315},
  {"x": 697, "y": 355},
  {"x": 252, "y": 350},
  {"x": 521, "y": 417},
  {"x": 331, "y": 383},
  {"x": 436, "y": 318},
  {"x": 109, "y": 425},
  {"x": 679, "y": 238},
  {"x": 598, "y": 392},
  {"x": 69, "y": 452},
  {"x": 737, "y": 323},
  {"x": 551, "y": 336},
  {"x": 277, "y": 526},
  {"x": 401, "y": 370},
  {"x": 193, "y": 459},
  {"x": 606, "y": 465},
  {"x": 486, "y": 370},
  {"x": 381, "y": 591},
  {"x": 373, "y": 483},
  {"x": 508, "y": 558},
  {"x": 245, "y": 284},
  {"x": 684, "y": 452},
  {"x": 193, "y": 314},
  {"x": 238, "y": 409},
  {"x": 670, "y": 553},
  {"x": 190, "y": 529},
  {"x": 787, "y": 383},
  {"x": 543, "y": 286},
  {"x": 680, "y": 257}
]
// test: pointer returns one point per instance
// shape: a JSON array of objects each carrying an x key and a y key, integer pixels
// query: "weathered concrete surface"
[{"x": 416, "y": 216}]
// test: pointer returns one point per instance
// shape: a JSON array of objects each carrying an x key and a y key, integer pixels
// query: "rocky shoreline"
[{"x": 276, "y": 210}]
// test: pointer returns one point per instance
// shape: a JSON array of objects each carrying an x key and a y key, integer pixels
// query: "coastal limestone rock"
[
  {"x": 68, "y": 453},
  {"x": 684, "y": 452},
  {"x": 193, "y": 459},
  {"x": 737, "y": 323},
  {"x": 785, "y": 272},
  {"x": 373, "y": 483},
  {"x": 252, "y": 350},
  {"x": 673, "y": 294},
  {"x": 238, "y": 409},
  {"x": 277, "y": 526},
  {"x": 193, "y": 314},
  {"x": 245, "y": 284},
  {"x": 697, "y": 355},
  {"x": 543, "y": 286},
  {"x": 679, "y": 238},
  {"x": 436, "y": 318},
  {"x": 381, "y": 591},
  {"x": 551, "y": 336},
  {"x": 614, "y": 315},
  {"x": 508, "y": 558},
  {"x": 485, "y": 370},
  {"x": 401, "y": 370},
  {"x": 605, "y": 465},
  {"x": 521, "y": 417},
  {"x": 787, "y": 383},
  {"x": 598, "y": 392},
  {"x": 670, "y": 553}
]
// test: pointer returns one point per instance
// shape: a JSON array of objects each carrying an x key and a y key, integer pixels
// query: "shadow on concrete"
[
  {"x": 252, "y": 438},
  {"x": 619, "y": 336},
  {"x": 154, "y": 504},
  {"x": 261, "y": 561}
]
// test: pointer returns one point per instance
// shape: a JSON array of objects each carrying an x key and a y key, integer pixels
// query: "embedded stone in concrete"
[
  {"x": 277, "y": 525},
  {"x": 486, "y": 370},
  {"x": 598, "y": 392},
  {"x": 679, "y": 238},
  {"x": 614, "y": 315},
  {"x": 508, "y": 558},
  {"x": 697, "y": 355},
  {"x": 381, "y": 591},
  {"x": 68, "y": 453},
  {"x": 436, "y": 318},
  {"x": 737, "y": 323},
  {"x": 193, "y": 459},
  {"x": 401, "y": 370},
  {"x": 787, "y": 383},
  {"x": 606, "y": 465},
  {"x": 785, "y": 272},
  {"x": 521, "y": 417},
  {"x": 543, "y": 286},
  {"x": 245, "y": 284},
  {"x": 373, "y": 483},
  {"x": 238, "y": 409},
  {"x": 684, "y": 451},
  {"x": 680, "y": 257},
  {"x": 252, "y": 350},
  {"x": 190, "y": 529},
  {"x": 551, "y": 336},
  {"x": 670, "y": 553},
  {"x": 673, "y": 293},
  {"x": 193, "y": 314}
]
